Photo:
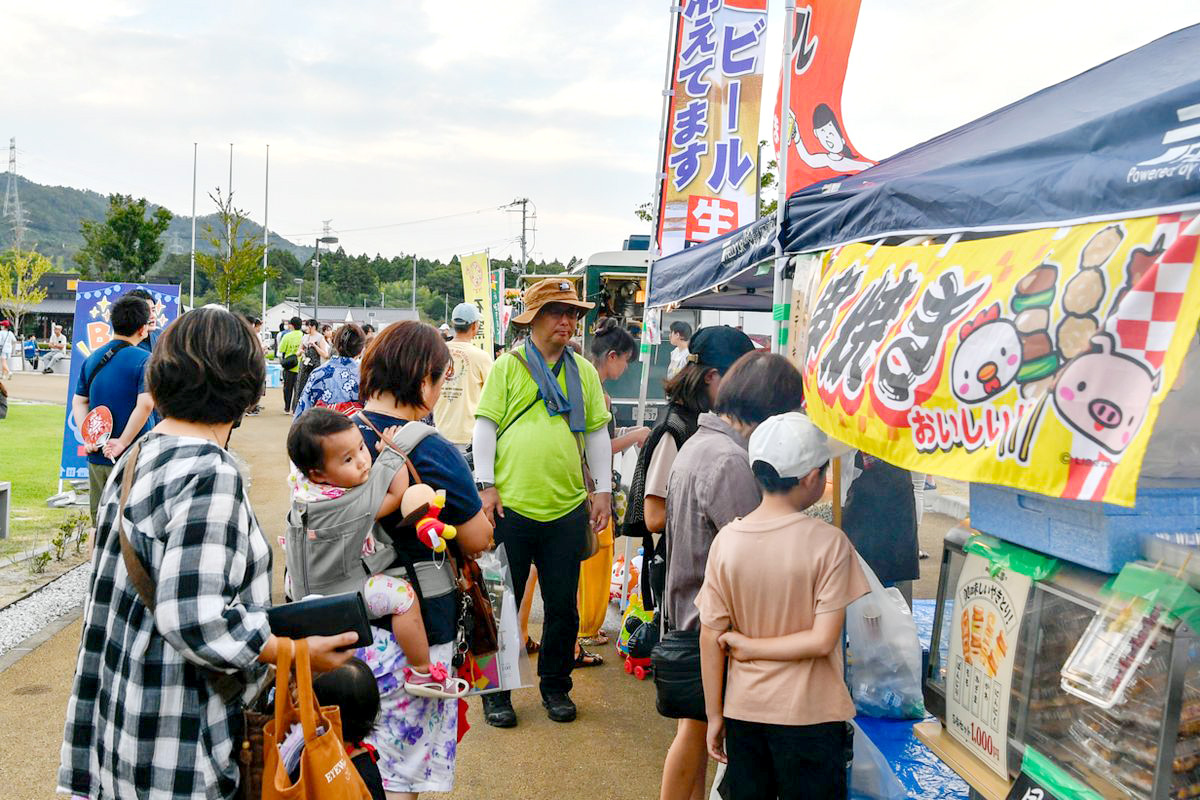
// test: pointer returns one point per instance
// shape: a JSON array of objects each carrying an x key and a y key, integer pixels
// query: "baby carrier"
[{"x": 324, "y": 540}]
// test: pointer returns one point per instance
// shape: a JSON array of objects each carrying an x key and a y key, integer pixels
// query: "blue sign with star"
[{"x": 92, "y": 330}]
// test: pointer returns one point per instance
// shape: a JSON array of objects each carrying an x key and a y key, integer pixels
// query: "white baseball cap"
[
  {"x": 791, "y": 444},
  {"x": 465, "y": 314}
]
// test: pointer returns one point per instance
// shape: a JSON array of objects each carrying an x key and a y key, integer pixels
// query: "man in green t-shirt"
[
  {"x": 289, "y": 345},
  {"x": 541, "y": 413}
]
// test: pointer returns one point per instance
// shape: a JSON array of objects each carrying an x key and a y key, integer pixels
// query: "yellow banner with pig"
[{"x": 1037, "y": 360}]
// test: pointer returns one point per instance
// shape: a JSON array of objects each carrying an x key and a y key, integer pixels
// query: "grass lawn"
[{"x": 30, "y": 443}]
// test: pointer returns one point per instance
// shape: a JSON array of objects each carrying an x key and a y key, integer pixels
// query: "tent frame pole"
[{"x": 779, "y": 300}]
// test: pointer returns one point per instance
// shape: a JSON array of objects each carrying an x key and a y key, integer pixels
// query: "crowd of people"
[{"x": 515, "y": 451}]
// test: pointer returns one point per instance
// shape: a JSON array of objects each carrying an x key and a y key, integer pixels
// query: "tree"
[
  {"x": 126, "y": 244},
  {"x": 20, "y": 274},
  {"x": 236, "y": 264}
]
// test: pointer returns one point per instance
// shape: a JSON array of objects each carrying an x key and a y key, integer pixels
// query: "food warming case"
[{"x": 1147, "y": 746}]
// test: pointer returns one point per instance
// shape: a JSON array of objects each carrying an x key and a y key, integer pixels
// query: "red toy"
[
  {"x": 421, "y": 500},
  {"x": 638, "y": 667}
]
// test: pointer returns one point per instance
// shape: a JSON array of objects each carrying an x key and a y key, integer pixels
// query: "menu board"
[{"x": 988, "y": 609}]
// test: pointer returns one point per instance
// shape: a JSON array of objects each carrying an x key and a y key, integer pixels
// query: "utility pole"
[
  {"x": 528, "y": 223},
  {"x": 12, "y": 198},
  {"x": 414, "y": 284}
]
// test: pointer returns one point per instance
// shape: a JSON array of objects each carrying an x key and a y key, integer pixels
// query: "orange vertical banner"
[{"x": 820, "y": 147}]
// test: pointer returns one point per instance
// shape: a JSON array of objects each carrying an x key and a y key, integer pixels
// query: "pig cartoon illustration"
[
  {"x": 988, "y": 357},
  {"x": 1105, "y": 395}
]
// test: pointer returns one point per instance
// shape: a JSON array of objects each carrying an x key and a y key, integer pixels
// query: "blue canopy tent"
[
  {"x": 1118, "y": 140},
  {"x": 732, "y": 272}
]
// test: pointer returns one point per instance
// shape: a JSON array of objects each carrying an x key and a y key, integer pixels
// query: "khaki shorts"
[{"x": 97, "y": 477}]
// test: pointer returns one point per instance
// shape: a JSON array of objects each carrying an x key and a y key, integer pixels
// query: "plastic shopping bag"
[
  {"x": 884, "y": 654},
  {"x": 871, "y": 778},
  {"x": 509, "y": 667}
]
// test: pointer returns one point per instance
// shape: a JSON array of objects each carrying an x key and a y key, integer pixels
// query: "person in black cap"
[{"x": 690, "y": 393}]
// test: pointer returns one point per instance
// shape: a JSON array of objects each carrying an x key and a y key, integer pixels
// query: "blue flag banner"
[{"x": 92, "y": 329}]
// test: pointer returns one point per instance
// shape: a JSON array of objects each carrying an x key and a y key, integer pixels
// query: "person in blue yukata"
[{"x": 335, "y": 381}]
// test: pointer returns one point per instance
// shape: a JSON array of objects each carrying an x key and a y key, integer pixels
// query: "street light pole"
[{"x": 317, "y": 264}]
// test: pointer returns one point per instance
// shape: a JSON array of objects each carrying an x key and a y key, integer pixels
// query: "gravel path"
[{"x": 27, "y": 617}]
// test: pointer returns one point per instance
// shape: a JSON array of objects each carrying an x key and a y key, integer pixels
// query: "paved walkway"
[{"x": 614, "y": 750}]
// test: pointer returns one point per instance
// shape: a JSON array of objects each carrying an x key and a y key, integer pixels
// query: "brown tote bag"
[{"x": 326, "y": 772}]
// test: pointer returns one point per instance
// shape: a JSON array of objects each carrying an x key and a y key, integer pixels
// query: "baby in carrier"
[{"x": 333, "y": 541}]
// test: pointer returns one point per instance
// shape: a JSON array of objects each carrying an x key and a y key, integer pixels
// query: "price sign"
[
  {"x": 1027, "y": 788},
  {"x": 988, "y": 609}
]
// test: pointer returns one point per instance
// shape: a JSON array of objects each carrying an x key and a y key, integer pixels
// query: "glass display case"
[{"x": 1146, "y": 747}]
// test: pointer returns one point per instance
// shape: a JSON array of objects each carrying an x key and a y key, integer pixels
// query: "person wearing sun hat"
[
  {"x": 773, "y": 602},
  {"x": 542, "y": 409},
  {"x": 454, "y": 414}
]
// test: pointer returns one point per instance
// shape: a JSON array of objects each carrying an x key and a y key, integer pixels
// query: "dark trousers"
[
  {"x": 289, "y": 388},
  {"x": 555, "y": 548},
  {"x": 789, "y": 762}
]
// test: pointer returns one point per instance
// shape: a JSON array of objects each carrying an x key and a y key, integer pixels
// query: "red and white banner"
[
  {"x": 712, "y": 129},
  {"x": 819, "y": 147}
]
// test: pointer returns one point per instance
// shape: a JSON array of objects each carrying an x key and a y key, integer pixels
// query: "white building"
[{"x": 336, "y": 315}]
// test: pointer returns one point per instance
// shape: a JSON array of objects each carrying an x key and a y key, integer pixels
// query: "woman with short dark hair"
[
  {"x": 156, "y": 705},
  {"x": 336, "y": 381},
  {"x": 400, "y": 382}
]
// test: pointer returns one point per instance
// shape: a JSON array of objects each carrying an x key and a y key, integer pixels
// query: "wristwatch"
[{"x": 484, "y": 485}]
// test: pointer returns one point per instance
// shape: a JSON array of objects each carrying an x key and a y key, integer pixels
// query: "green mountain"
[{"x": 53, "y": 214}]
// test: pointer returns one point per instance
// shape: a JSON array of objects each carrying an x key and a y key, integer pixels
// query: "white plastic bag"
[
  {"x": 508, "y": 668},
  {"x": 884, "y": 654},
  {"x": 871, "y": 778}
]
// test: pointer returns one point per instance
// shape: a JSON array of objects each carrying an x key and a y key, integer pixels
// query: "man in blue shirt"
[{"x": 114, "y": 376}]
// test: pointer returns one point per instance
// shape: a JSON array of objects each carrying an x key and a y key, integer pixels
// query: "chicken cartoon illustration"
[{"x": 988, "y": 357}]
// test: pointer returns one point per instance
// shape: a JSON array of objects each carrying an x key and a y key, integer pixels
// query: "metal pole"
[
  {"x": 266, "y": 230},
  {"x": 659, "y": 177},
  {"x": 524, "y": 256},
  {"x": 317, "y": 287},
  {"x": 414, "y": 283},
  {"x": 779, "y": 302},
  {"x": 192, "y": 285},
  {"x": 229, "y": 225}
]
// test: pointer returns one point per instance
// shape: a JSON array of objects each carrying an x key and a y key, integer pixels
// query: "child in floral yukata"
[{"x": 332, "y": 464}]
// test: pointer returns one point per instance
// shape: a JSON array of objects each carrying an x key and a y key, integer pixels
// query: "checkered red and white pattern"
[
  {"x": 1143, "y": 325},
  {"x": 1144, "y": 322}
]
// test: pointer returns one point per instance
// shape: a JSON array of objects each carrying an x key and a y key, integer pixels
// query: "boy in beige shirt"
[{"x": 773, "y": 603}]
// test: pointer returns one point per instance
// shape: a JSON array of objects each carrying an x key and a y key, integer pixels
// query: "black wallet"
[{"x": 322, "y": 616}]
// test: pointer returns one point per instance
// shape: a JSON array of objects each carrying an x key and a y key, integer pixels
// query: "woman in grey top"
[{"x": 711, "y": 485}]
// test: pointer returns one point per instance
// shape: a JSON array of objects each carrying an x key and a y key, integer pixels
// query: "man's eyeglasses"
[{"x": 563, "y": 310}]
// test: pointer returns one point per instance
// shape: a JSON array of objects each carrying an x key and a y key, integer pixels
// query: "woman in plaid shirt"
[{"x": 146, "y": 718}]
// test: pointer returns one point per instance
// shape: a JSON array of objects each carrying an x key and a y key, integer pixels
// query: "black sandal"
[{"x": 585, "y": 659}]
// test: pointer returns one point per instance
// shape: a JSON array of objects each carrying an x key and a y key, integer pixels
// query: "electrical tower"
[{"x": 12, "y": 210}]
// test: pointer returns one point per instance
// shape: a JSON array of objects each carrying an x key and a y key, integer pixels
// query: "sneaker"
[
  {"x": 559, "y": 707},
  {"x": 438, "y": 682},
  {"x": 498, "y": 711}
]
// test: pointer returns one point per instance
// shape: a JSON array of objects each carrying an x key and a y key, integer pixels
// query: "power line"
[{"x": 400, "y": 224}]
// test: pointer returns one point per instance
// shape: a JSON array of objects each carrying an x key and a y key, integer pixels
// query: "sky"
[{"x": 410, "y": 124}]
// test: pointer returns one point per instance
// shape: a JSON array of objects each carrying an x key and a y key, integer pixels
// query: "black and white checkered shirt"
[{"x": 144, "y": 719}]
